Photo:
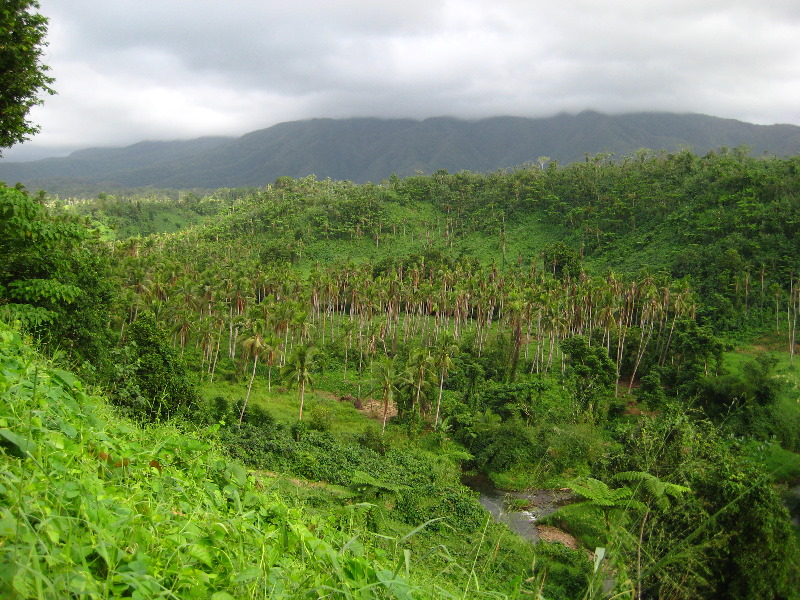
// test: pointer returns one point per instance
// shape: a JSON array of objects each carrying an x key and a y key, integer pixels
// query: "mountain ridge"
[{"x": 371, "y": 149}]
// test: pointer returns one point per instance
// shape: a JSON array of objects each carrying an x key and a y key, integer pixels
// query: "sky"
[{"x": 134, "y": 70}]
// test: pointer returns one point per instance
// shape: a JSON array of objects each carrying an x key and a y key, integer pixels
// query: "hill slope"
[
  {"x": 93, "y": 506},
  {"x": 364, "y": 149}
]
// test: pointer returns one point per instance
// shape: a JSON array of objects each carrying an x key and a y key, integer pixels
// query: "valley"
[{"x": 324, "y": 362}]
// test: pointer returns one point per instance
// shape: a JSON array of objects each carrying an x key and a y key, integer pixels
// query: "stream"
[
  {"x": 540, "y": 503},
  {"x": 792, "y": 500}
]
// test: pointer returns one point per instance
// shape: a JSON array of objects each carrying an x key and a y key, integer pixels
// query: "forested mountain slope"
[{"x": 362, "y": 150}]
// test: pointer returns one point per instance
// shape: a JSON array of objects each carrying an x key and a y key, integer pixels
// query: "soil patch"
[
  {"x": 374, "y": 409},
  {"x": 554, "y": 534},
  {"x": 632, "y": 408}
]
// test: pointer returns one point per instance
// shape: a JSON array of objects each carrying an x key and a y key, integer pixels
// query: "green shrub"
[
  {"x": 373, "y": 439},
  {"x": 320, "y": 417},
  {"x": 566, "y": 571},
  {"x": 151, "y": 381}
]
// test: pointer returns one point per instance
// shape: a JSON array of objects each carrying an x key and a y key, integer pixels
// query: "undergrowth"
[{"x": 92, "y": 506}]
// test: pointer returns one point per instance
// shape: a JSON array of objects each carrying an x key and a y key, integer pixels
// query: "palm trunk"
[
  {"x": 439, "y": 401},
  {"x": 249, "y": 387},
  {"x": 642, "y": 347},
  {"x": 385, "y": 413},
  {"x": 216, "y": 353},
  {"x": 302, "y": 398}
]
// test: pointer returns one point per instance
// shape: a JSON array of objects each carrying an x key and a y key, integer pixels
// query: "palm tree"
[
  {"x": 272, "y": 351},
  {"x": 418, "y": 374},
  {"x": 442, "y": 360},
  {"x": 348, "y": 333},
  {"x": 283, "y": 318},
  {"x": 297, "y": 372},
  {"x": 386, "y": 380},
  {"x": 253, "y": 345}
]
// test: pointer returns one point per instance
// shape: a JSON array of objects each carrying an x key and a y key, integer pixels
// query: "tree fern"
[
  {"x": 655, "y": 490},
  {"x": 368, "y": 487}
]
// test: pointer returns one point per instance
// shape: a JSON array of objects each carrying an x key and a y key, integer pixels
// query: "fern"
[
  {"x": 370, "y": 487},
  {"x": 655, "y": 489},
  {"x": 598, "y": 493}
]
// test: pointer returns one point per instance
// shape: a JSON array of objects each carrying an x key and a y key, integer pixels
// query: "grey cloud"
[{"x": 129, "y": 69}]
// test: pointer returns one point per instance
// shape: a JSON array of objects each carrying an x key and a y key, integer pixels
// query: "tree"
[
  {"x": 297, "y": 372},
  {"x": 152, "y": 382},
  {"x": 386, "y": 379},
  {"x": 730, "y": 538},
  {"x": 442, "y": 360},
  {"x": 255, "y": 347},
  {"x": 53, "y": 277},
  {"x": 593, "y": 373},
  {"x": 561, "y": 260},
  {"x": 418, "y": 378},
  {"x": 23, "y": 77}
]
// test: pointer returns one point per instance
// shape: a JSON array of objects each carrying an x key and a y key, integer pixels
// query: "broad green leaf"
[
  {"x": 201, "y": 553},
  {"x": 18, "y": 446},
  {"x": 8, "y": 525},
  {"x": 248, "y": 574},
  {"x": 66, "y": 378},
  {"x": 238, "y": 473},
  {"x": 395, "y": 585}
]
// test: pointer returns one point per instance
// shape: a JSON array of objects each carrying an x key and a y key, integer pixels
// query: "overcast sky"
[{"x": 130, "y": 70}]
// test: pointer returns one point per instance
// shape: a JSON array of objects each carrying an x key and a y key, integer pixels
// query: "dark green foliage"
[
  {"x": 373, "y": 439},
  {"x": 760, "y": 559},
  {"x": 217, "y": 410},
  {"x": 493, "y": 363},
  {"x": 430, "y": 491},
  {"x": 320, "y": 417},
  {"x": 731, "y": 537},
  {"x": 754, "y": 385},
  {"x": 23, "y": 77},
  {"x": 535, "y": 399},
  {"x": 593, "y": 375},
  {"x": 279, "y": 251},
  {"x": 151, "y": 380},
  {"x": 467, "y": 375},
  {"x": 430, "y": 261},
  {"x": 566, "y": 571},
  {"x": 561, "y": 260},
  {"x": 505, "y": 446},
  {"x": 256, "y": 415},
  {"x": 651, "y": 391},
  {"x": 744, "y": 400},
  {"x": 696, "y": 351},
  {"x": 575, "y": 449},
  {"x": 53, "y": 279}
]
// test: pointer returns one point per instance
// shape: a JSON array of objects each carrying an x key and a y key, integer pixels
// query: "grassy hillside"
[{"x": 94, "y": 506}]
